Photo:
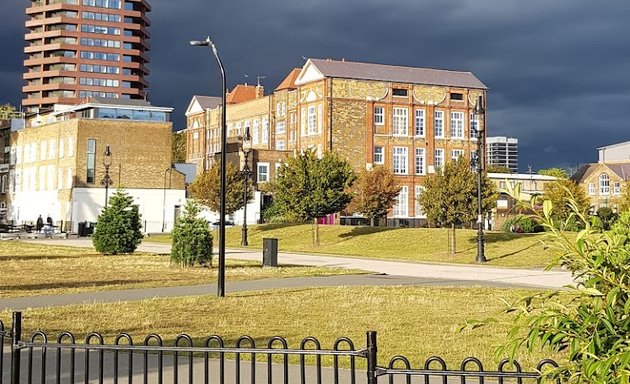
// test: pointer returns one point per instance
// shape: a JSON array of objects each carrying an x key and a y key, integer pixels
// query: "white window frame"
[
  {"x": 379, "y": 115},
  {"x": 420, "y": 162},
  {"x": 280, "y": 145},
  {"x": 474, "y": 123},
  {"x": 401, "y": 208},
  {"x": 262, "y": 173},
  {"x": 591, "y": 188},
  {"x": 281, "y": 128},
  {"x": 617, "y": 188},
  {"x": 438, "y": 154},
  {"x": 456, "y": 153},
  {"x": 265, "y": 130},
  {"x": 255, "y": 131},
  {"x": 400, "y": 125},
  {"x": 604, "y": 184},
  {"x": 420, "y": 123},
  {"x": 438, "y": 124},
  {"x": 379, "y": 155},
  {"x": 457, "y": 125},
  {"x": 400, "y": 160},
  {"x": 311, "y": 118}
]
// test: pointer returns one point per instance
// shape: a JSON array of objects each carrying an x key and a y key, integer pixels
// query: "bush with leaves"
[
  {"x": 118, "y": 226},
  {"x": 590, "y": 322},
  {"x": 192, "y": 240},
  {"x": 522, "y": 224}
]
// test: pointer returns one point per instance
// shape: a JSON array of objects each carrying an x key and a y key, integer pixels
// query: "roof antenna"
[
  {"x": 246, "y": 76},
  {"x": 258, "y": 80}
]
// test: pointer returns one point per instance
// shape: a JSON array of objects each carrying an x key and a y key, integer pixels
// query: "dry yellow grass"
[
  {"x": 414, "y": 321},
  {"x": 31, "y": 269}
]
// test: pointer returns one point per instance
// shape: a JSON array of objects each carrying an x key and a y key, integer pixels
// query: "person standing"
[{"x": 40, "y": 224}]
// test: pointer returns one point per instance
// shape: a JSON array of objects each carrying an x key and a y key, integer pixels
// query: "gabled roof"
[
  {"x": 241, "y": 93},
  {"x": 289, "y": 81},
  {"x": 620, "y": 169},
  {"x": 199, "y": 104},
  {"x": 380, "y": 72},
  {"x": 615, "y": 145}
]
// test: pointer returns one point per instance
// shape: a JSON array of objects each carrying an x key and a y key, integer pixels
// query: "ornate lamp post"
[
  {"x": 221, "y": 283},
  {"x": 107, "y": 162},
  {"x": 479, "y": 113},
  {"x": 245, "y": 173}
]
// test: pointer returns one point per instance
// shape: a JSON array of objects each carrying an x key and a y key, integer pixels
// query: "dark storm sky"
[{"x": 558, "y": 70}]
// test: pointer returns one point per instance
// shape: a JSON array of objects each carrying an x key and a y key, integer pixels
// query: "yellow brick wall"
[{"x": 597, "y": 200}]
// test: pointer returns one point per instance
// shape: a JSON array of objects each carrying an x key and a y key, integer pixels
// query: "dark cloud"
[{"x": 557, "y": 70}]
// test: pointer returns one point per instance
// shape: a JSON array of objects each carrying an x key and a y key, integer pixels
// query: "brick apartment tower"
[{"x": 85, "y": 48}]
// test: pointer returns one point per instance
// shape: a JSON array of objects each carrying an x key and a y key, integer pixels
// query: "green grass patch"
[
  {"x": 418, "y": 322},
  {"x": 411, "y": 244},
  {"x": 28, "y": 269}
]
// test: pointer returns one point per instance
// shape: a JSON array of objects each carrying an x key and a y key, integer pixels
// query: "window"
[
  {"x": 456, "y": 153},
  {"x": 379, "y": 115},
  {"x": 457, "y": 125},
  {"x": 91, "y": 160},
  {"x": 60, "y": 179},
  {"x": 280, "y": 128},
  {"x": 280, "y": 145},
  {"x": 399, "y": 92},
  {"x": 400, "y": 160},
  {"x": 42, "y": 178},
  {"x": 439, "y": 158},
  {"x": 438, "y": 120},
  {"x": 591, "y": 188},
  {"x": 604, "y": 184},
  {"x": 402, "y": 202},
  {"x": 457, "y": 96},
  {"x": 265, "y": 130},
  {"x": 263, "y": 172},
  {"x": 256, "y": 132},
  {"x": 474, "y": 121},
  {"x": 400, "y": 122},
  {"x": 312, "y": 120},
  {"x": 51, "y": 149},
  {"x": 43, "y": 147},
  {"x": 379, "y": 155},
  {"x": 617, "y": 188},
  {"x": 418, "y": 208},
  {"x": 419, "y": 123},
  {"x": 420, "y": 161}
]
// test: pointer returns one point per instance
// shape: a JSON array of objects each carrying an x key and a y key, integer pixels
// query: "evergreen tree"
[
  {"x": 118, "y": 226},
  {"x": 309, "y": 188},
  {"x": 450, "y": 196},
  {"x": 178, "y": 147},
  {"x": 206, "y": 188},
  {"x": 192, "y": 240},
  {"x": 375, "y": 193}
]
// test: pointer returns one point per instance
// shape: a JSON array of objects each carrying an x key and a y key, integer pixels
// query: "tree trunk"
[
  {"x": 453, "y": 242},
  {"x": 373, "y": 222},
  {"x": 315, "y": 232}
]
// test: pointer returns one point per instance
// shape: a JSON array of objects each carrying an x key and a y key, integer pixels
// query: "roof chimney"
[{"x": 260, "y": 91}]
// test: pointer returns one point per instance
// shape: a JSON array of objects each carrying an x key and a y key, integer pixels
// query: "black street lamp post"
[
  {"x": 221, "y": 283},
  {"x": 107, "y": 162},
  {"x": 245, "y": 173},
  {"x": 479, "y": 113}
]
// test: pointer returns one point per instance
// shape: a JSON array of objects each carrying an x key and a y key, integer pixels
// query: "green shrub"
[
  {"x": 192, "y": 240},
  {"x": 522, "y": 224},
  {"x": 275, "y": 214},
  {"x": 607, "y": 217},
  {"x": 118, "y": 226}
]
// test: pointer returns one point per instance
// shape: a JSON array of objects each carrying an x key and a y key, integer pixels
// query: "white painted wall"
[
  {"x": 253, "y": 213},
  {"x": 27, "y": 206}
]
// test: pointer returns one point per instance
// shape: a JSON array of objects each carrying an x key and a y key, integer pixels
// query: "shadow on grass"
[
  {"x": 365, "y": 230},
  {"x": 76, "y": 284},
  {"x": 274, "y": 226},
  {"x": 511, "y": 253},
  {"x": 43, "y": 257},
  {"x": 497, "y": 237}
]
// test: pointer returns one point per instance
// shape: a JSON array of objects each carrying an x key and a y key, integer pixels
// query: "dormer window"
[
  {"x": 400, "y": 92},
  {"x": 456, "y": 96}
]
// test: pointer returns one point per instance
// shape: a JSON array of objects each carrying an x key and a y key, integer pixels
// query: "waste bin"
[
  {"x": 81, "y": 230},
  {"x": 270, "y": 252}
]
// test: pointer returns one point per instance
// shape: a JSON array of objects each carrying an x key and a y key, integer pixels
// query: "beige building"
[
  {"x": 603, "y": 182},
  {"x": 411, "y": 120},
  {"x": 57, "y": 168}
]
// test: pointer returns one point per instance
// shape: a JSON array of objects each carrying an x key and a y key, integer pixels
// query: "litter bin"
[
  {"x": 81, "y": 230},
  {"x": 270, "y": 252}
]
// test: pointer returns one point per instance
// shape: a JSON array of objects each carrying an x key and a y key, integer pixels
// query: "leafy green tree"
[
  {"x": 192, "y": 240},
  {"x": 561, "y": 192},
  {"x": 206, "y": 189},
  {"x": 590, "y": 323},
  {"x": 375, "y": 193},
  {"x": 178, "y": 147},
  {"x": 555, "y": 172},
  {"x": 6, "y": 111},
  {"x": 623, "y": 202},
  {"x": 498, "y": 169},
  {"x": 118, "y": 226},
  {"x": 309, "y": 188},
  {"x": 450, "y": 196}
]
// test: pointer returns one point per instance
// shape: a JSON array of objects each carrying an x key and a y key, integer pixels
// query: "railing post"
[
  {"x": 16, "y": 337},
  {"x": 371, "y": 357}
]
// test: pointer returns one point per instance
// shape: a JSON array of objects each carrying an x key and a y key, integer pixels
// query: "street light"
[
  {"x": 164, "y": 197},
  {"x": 107, "y": 181},
  {"x": 479, "y": 113},
  {"x": 245, "y": 173},
  {"x": 221, "y": 283}
]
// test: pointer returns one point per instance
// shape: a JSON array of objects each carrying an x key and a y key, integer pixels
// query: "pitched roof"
[
  {"x": 208, "y": 102},
  {"x": 289, "y": 81},
  {"x": 241, "y": 93},
  {"x": 620, "y": 169},
  {"x": 397, "y": 74}
]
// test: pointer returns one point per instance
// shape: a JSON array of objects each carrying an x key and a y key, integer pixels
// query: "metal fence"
[{"x": 38, "y": 359}]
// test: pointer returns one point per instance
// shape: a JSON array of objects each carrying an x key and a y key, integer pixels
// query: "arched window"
[{"x": 604, "y": 184}]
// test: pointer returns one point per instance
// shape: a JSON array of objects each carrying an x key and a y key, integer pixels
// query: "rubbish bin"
[
  {"x": 270, "y": 252},
  {"x": 81, "y": 230}
]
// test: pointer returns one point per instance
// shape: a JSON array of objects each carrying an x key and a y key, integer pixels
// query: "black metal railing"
[{"x": 64, "y": 360}]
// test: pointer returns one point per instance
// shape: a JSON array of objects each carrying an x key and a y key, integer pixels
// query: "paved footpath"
[{"x": 385, "y": 273}]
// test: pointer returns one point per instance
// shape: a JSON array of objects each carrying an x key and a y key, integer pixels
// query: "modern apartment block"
[
  {"x": 78, "y": 49},
  {"x": 412, "y": 120},
  {"x": 502, "y": 151}
]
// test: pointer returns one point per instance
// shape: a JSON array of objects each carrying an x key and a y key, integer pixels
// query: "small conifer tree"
[
  {"x": 192, "y": 240},
  {"x": 118, "y": 226}
]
